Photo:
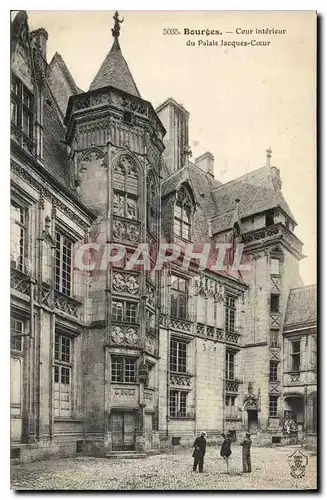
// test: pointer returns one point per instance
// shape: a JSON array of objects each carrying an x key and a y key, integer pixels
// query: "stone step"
[{"x": 126, "y": 454}]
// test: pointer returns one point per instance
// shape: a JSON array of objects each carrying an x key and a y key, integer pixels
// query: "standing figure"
[
  {"x": 225, "y": 451},
  {"x": 246, "y": 452},
  {"x": 199, "y": 451}
]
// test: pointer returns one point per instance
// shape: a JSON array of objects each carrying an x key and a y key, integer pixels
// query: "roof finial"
[
  {"x": 268, "y": 152},
  {"x": 116, "y": 29}
]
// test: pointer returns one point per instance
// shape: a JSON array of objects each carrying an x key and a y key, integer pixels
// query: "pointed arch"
[
  {"x": 184, "y": 208},
  {"x": 126, "y": 185}
]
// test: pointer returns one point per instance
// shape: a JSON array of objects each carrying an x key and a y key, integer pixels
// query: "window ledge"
[
  {"x": 124, "y": 383},
  {"x": 181, "y": 418},
  {"x": 68, "y": 419}
]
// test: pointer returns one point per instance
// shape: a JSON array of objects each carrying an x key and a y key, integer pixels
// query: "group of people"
[{"x": 200, "y": 444}]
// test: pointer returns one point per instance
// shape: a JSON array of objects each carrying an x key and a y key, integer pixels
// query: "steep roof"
[
  {"x": 115, "y": 72},
  {"x": 301, "y": 306},
  {"x": 202, "y": 183},
  {"x": 257, "y": 191},
  {"x": 56, "y": 160},
  {"x": 61, "y": 82}
]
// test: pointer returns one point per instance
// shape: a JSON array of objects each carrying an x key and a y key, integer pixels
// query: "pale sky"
[{"x": 241, "y": 100}]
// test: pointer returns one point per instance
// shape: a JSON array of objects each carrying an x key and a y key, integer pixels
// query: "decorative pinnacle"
[
  {"x": 187, "y": 154},
  {"x": 116, "y": 29},
  {"x": 268, "y": 153}
]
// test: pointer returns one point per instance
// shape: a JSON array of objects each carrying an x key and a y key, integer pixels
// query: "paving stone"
[{"x": 171, "y": 471}]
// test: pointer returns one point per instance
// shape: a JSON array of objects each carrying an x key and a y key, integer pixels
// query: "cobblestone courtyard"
[{"x": 173, "y": 471}]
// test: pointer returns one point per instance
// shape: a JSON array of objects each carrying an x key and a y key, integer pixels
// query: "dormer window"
[
  {"x": 270, "y": 218},
  {"x": 21, "y": 111},
  {"x": 183, "y": 215}
]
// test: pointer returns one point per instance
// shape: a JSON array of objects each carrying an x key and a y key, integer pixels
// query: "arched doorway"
[
  {"x": 294, "y": 408},
  {"x": 252, "y": 419}
]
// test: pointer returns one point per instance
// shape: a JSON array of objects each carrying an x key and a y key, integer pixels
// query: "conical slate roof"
[{"x": 115, "y": 72}]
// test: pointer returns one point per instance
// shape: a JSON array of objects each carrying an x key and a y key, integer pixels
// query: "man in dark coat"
[
  {"x": 225, "y": 451},
  {"x": 246, "y": 452},
  {"x": 199, "y": 451}
]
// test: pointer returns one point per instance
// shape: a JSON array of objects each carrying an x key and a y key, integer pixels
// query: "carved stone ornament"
[
  {"x": 143, "y": 372},
  {"x": 125, "y": 283},
  {"x": 125, "y": 335}
]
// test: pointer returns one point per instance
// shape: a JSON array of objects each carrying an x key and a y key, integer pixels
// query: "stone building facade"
[{"x": 114, "y": 357}]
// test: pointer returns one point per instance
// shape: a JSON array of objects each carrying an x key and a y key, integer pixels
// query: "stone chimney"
[
  {"x": 206, "y": 163},
  {"x": 175, "y": 119}
]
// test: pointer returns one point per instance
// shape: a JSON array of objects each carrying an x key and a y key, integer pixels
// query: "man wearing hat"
[
  {"x": 199, "y": 451},
  {"x": 246, "y": 453}
]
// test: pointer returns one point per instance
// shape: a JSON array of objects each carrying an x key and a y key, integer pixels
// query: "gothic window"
[
  {"x": 18, "y": 235},
  {"x": 179, "y": 297},
  {"x": 230, "y": 365},
  {"x": 177, "y": 404},
  {"x": 273, "y": 406},
  {"x": 123, "y": 369},
  {"x": 126, "y": 189},
  {"x": 62, "y": 376},
  {"x": 183, "y": 215},
  {"x": 230, "y": 314},
  {"x": 296, "y": 355},
  {"x": 16, "y": 332},
  {"x": 273, "y": 371},
  {"x": 63, "y": 264},
  {"x": 124, "y": 311},
  {"x": 21, "y": 107},
  {"x": 178, "y": 356}
]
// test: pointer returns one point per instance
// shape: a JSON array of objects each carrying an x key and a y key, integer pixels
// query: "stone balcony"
[
  {"x": 180, "y": 380},
  {"x": 232, "y": 338},
  {"x": 180, "y": 324},
  {"x": 210, "y": 332},
  {"x": 67, "y": 305},
  {"x": 20, "y": 282},
  {"x": 276, "y": 232},
  {"x": 231, "y": 386},
  {"x": 299, "y": 378}
]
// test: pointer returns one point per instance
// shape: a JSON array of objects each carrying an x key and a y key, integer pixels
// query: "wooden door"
[
  {"x": 123, "y": 431},
  {"x": 253, "y": 421}
]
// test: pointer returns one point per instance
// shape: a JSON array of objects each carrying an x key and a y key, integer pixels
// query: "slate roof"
[
  {"x": 60, "y": 91},
  {"x": 257, "y": 192},
  {"x": 115, "y": 72},
  {"x": 56, "y": 160},
  {"x": 301, "y": 306},
  {"x": 201, "y": 182}
]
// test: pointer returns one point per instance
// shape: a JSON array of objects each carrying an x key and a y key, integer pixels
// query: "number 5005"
[{"x": 171, "y": 31}]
